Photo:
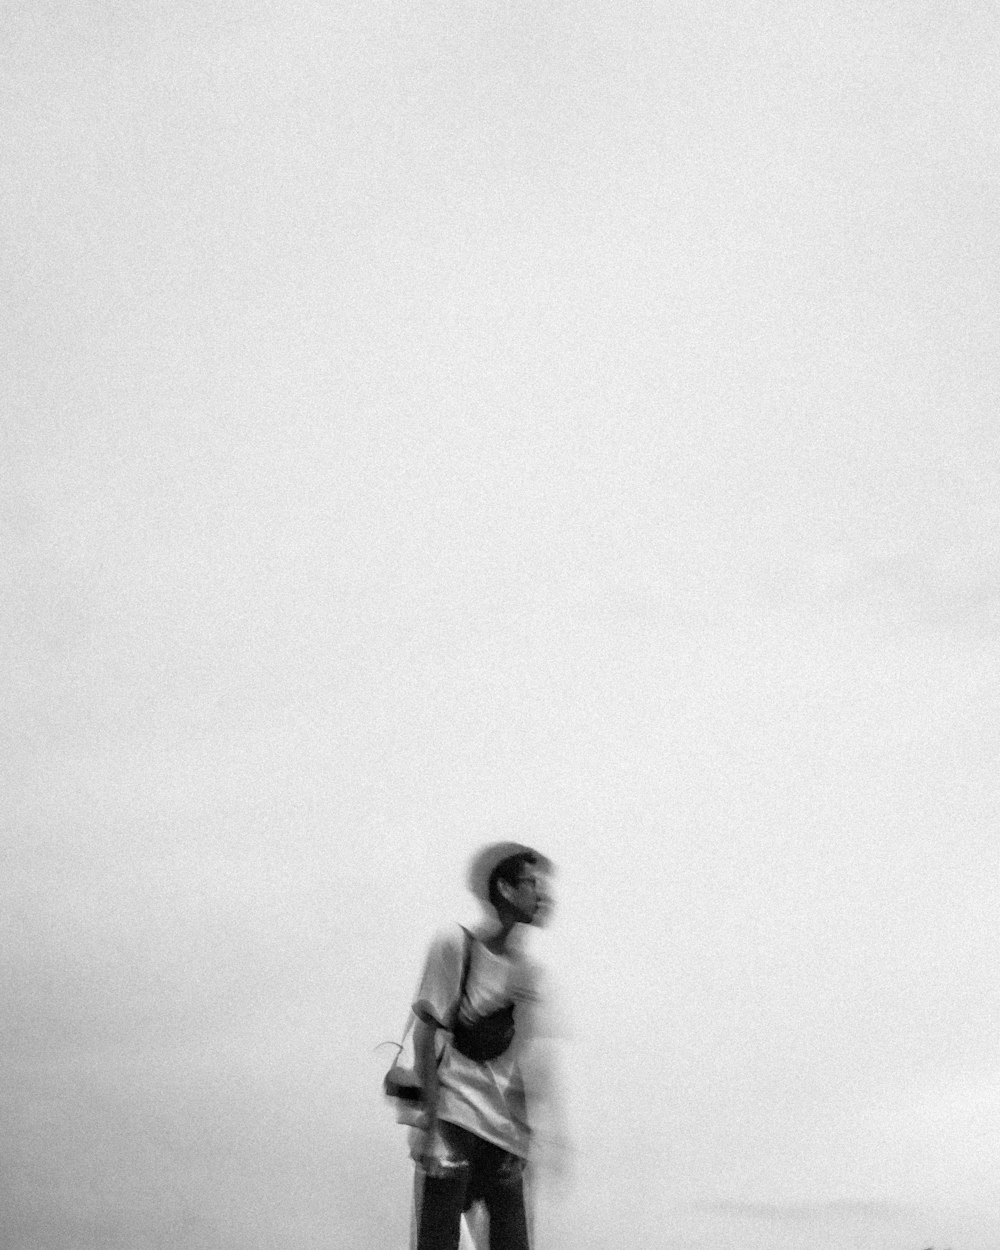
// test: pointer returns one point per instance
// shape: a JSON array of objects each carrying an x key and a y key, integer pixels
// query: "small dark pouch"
[
  {"x": 406, "y": 1090},
  {"x": 486, "y": 1037}
]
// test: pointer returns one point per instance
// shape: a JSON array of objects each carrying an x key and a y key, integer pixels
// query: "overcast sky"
[{"x": 426, "y": 424}]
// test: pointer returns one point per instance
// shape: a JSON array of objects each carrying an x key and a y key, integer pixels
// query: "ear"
[{"x": 505, "y": 890}]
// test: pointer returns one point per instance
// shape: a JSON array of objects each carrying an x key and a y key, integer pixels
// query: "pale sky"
[{"x": 568, "y": 423}]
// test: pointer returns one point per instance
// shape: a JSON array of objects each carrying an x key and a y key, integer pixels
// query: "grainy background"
[{"x": 431, "y": 423}]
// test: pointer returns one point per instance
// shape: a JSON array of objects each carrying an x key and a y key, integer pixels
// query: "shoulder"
[
  {"x": 436, "y": 991},
  {"x": 446, "y": 948},
  {"x": 447, "y": 941}
]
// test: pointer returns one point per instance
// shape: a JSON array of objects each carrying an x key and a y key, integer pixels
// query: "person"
[{"x": 473, "y": 1141}]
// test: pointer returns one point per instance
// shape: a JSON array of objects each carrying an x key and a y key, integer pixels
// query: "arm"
[
  {"x": 427, "y": 1149},
  {"x": 432, "y": 1005},
  {"x": 425, "y": 1055},
  {"x": 545, "y": 1031},
  {"x": 551, "y": 1148}
]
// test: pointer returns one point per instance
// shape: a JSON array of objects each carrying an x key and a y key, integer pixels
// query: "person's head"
[{"x": 513, "y": 880}]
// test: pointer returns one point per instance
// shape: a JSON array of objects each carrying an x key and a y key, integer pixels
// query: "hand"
[
  {"x": 436, "y": 1156},
  {"x": 422, "y": 1134},
  {"x": 432, "y": 1165}
]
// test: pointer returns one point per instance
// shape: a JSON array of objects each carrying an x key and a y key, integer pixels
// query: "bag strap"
[
  {"x": 466, "y": 965},
  {"x": 409, "y": 1025}
]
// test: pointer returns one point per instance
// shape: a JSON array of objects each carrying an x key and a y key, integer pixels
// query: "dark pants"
[{"x": 487, "y": 1174}]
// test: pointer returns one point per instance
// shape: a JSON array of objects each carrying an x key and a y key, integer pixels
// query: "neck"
[{"x": 498, "y": 937}]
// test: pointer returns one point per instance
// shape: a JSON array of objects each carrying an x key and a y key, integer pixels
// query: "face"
[{"x": 530, "y": 898}]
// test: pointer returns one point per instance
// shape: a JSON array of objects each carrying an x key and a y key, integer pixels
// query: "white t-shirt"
[{"x": 488, "y": 1097}]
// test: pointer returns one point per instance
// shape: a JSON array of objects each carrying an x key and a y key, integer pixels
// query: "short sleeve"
[{"x": 437, "y": 992}]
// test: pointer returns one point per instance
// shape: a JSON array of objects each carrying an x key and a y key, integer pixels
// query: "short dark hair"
[{"x": 509, "y": 870}]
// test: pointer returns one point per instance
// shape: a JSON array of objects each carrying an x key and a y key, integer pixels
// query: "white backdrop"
[{"x": 564, "y": 423}]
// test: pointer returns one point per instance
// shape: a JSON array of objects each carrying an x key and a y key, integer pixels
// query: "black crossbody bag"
[{"x": 486, "y": 1037}]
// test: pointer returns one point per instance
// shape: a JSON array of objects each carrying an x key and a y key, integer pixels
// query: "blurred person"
[{"x": 479, "y": 1040}]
